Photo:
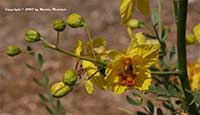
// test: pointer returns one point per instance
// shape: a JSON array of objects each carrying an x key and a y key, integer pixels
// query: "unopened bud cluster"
[{"x": 62, "y": 88}]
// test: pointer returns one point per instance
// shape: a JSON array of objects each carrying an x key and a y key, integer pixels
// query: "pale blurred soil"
[{"x": 18, "y": 94}]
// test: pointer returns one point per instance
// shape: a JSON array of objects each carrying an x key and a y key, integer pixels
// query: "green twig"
[
  {"x": 51, "y": 46},
  {"x": 157, "y": 35},
  {"x": 164, "y": 73},
  {"x": 159, "y": 18},
  {"x": 87, "y": 30},
  {"x": 57, "y": 40},
  {"x": 175, "y": 10}
]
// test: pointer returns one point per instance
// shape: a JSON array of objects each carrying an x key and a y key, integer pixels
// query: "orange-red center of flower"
[{"x": 127, "y": 76}]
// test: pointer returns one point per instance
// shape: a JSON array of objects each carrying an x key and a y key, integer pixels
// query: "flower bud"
[
  {"x": 190, "y": 38},
  {"x": 59, "y": 89},
  {"x": 32, "y": 35},
  {"x": 13, "y": 50},
  {"x": 70, "y": 77},
  {"x": 75, "y": 20},
  {"x": 59, "y": 25},
  {"x": 196, "y": 31},
  {"x": 133, "y": 23}
]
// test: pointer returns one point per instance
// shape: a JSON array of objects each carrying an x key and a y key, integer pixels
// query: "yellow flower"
[
  {"x": 131, "y": 69},
  {"x": 190, "y": 38},
  {"x": 142, "y": 40},
  {"x": 127, "y": 8},
  {"x": 125, "y": 70},
  {"x": 196, "y": 31},
  {"x": 195, "y": 84},
  {"x": 92, "y": 70},
  {"x": 194, "y": 75}
]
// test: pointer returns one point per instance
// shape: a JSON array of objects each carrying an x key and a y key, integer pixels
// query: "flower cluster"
[
  {"x": 191, "y": 37},
  {"x": 123, "y": 70},
  {"x": 108, "y": 69}
]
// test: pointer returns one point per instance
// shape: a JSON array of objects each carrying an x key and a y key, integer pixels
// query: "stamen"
[{"x": 127, "y": 78}]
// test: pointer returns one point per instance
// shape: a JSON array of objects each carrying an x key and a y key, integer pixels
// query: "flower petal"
[
  {"x": 143, "y": 79},
  {"x": 119, "y": 89},
  {"x": 88, "y": 65},
  {"x": 89, "y": 87},
  {"x": 79, "y": 47},
  {"x": 126, "y": 10}
]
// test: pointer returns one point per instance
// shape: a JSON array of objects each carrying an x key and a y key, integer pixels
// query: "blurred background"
[{"x": 18, "y": 93}]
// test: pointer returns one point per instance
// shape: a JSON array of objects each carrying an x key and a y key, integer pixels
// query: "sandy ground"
[{"x": 18, "y": 94}]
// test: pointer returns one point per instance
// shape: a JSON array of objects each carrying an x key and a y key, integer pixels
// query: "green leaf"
[
  {"x": 37, "y": 82},
  {"x": 162, "y": 55},
  {"x": 43, "y": 98},
  {"x": 40, "y": 61},
  {"x": 159, "y": 111},
  {"x": 172, "y": 53},
  {"x": 50, "y": 111},
  {"x": 171, "y": 90},
  {"x": 31, "y": 67},
  {"x": 159, "y": 91},
  {"x": 154, "y": 18},
  {"x": 136, "y": 94},
  {"x": 165, "y": 32},
  {"x": 150, "y": 106},
  {"x": 58, "y": 107},
  {"x": 51, "y": 97},
  {"x": 196, "y": 97},
  {"x": 132, "y": 101},
  {"x": 168, "y": 105},
  {"x": 141, "y": 113}
]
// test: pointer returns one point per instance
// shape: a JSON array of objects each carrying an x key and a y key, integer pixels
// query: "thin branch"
[
  {"x": 51, "y": 46},
  {"x": 163, "y": 73}
]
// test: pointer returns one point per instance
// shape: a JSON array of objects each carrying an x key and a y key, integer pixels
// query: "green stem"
[
  {"x": 175, "y": 10},
  {"x": 182, "y": 63},
  {"x": 51, "y": 46},
  {"x": 159, "y": 19},
  {"x": 164, "y": 73},
  {"x": 157, "y": 34},
  {"x": 86, "y": 27},
  {"x": 57, "y": 40},
  {"x": 81, "y": 57}
]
